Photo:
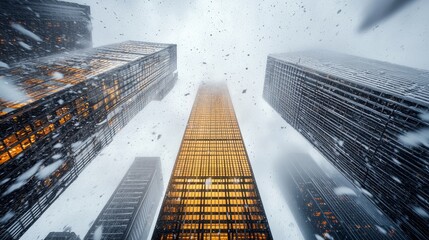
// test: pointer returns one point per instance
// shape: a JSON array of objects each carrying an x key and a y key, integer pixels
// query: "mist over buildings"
[{"x": 229, "y": 41}]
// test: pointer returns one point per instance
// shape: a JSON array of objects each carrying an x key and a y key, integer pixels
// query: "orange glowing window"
[
  {"x": 10, "y": 140},
  {"x": 28, "y": 129},
  {"x": 4, "y": 157},
  {"x": 15, "y": 150},
  {"x": 63, "y": 110},
  {"x": 26, "y": 143},
  {"x": 33, "y": 138},
  {"x": 21, "y": 133},
  {"x": 65, "y": 118},
  {"x": 48, "y": 129}
]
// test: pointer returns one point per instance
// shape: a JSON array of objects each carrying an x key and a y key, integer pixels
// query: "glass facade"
[
  {"x": 62, "y": 236},
  {"x": 355, "y": 112},
  {"x": 48, "y": 138},
  {"x": 320, "y": 210},
  {"x": 30, "y": 29},
  {"x": 130, "y": 211},
  {"x": 212, "y": 192}
]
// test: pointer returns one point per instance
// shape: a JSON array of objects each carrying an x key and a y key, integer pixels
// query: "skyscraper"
[
  {"x": 62, "y": 236},
  {"x": 368, "y": 118},
  {"x": 37, "y": 28},
  {"x": 323, "y": 208},
  {"x": 62, "y": 111},
  {"x": 130, "y": 211},
  {"x": 212, "y": 193}
]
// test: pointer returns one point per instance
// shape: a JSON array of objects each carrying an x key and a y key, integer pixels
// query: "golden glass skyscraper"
[{"x": 212, "y": 192}]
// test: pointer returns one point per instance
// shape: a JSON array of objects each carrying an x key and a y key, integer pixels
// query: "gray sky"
[{"x": 233, "y": 38}]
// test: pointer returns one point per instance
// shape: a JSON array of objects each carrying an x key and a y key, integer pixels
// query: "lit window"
[
  {"x": 21, "y": 133},
  {"x": 26, "y": 143},
  {"x": 63, "y": 110},
  {"x": 38, "y": 123},
  {"x": 15, "y": 150},
  {"x": 65, "y": 119},
  {"x": 28, "y": 129},
  {"x": 33, "y": 138},
  {"x": 10, "y": 140},
  {"x": 4, "y": 157},
  {"x": 49, "y": 128}
]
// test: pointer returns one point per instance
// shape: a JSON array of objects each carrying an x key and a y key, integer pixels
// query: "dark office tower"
[
  {"x": 368, "y": 118},
  {"x": 130, "y": 211},
  {"x": 35, "y": 28},
  {"x": 212, "y": 192},
  {"x": 62, "y": 110},
  {"x": 62, "y": 236},
  {"x": 323, "y": 208}
]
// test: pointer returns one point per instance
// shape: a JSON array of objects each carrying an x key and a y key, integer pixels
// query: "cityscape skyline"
[{"x": 225, "y": 42}]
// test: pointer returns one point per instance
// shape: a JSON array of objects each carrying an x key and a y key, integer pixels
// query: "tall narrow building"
[
  {"x": 324, "y": 209},
  {"x": 37, "y": 28},
  {"x": 62, "y": 236},
  {"x": 129, "y": 213},
  {"x": 62, "y": 110},
  {"x": 368, "y": 118},
  {"x": 212, "y": 193}
]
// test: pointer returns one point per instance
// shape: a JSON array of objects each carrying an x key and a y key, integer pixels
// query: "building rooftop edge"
[{"x": 405, "y": 82}]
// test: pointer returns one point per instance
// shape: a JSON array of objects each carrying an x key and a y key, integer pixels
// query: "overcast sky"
[{"x": 233, "y": 38}]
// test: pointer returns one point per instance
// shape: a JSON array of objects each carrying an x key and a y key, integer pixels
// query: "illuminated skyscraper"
[
  {"x": 64, "y": 109},
  {"x": 212, "y": 193},
  {"x": 37, "y": 28},
  {"x": 368, "y": 118},
  {"x": 129, "y": 213},
  {"x": 323, "y": 208}
]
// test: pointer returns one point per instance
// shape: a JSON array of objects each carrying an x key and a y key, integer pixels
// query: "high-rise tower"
[
  {"x": 323, "y": 208},
  {"x": 212, "y": 193},
  {"x": 370, "y": 119},
  {"x": 62, "y": 110},
  {"x": 37, "y": 28},
  {"x": 129, "y": 213},
  {"x": 62, "y": 236}
]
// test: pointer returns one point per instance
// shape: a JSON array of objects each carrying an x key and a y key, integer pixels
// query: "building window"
[
  {"x": 10, "y": 140},
  {"x": 49, "y": 129},
  {"x": 38, "y": 123},
  {"x": 15, "y": 150},
  {"x": 26, "y": 143},
  {"x": 33, "y": 138},
  {"x": 65, "y": 118},
  {"x": 4, "y": 157}
]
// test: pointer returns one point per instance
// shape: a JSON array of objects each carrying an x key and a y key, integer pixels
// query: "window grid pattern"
[
  {"x": 212, "y": 193},
  {"x": 130, "y": 210},
  {"x": 319, "y": 210},
  {"x": 72, "y": 126},
  {"x": 355, "y": 121},
  {"x": 62, "y": 26}
]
